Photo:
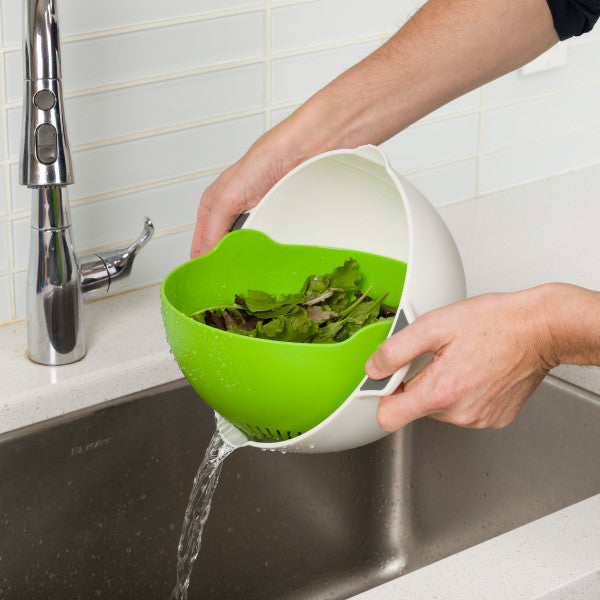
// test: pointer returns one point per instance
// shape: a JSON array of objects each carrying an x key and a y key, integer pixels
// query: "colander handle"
[
  {"x": 239, "y": 222},
  {"x": 385, "y": 386}
]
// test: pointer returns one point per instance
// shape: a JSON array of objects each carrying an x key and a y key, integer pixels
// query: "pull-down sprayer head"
[{"x": 45, "y": 155}]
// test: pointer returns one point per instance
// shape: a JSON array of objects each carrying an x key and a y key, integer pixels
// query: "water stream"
[{"x": 197, "y": 512}]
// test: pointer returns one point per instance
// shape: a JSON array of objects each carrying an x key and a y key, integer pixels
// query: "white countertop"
[
  {"x": 557, "y": 557},
  {"x": 518, "y": 238},
  {"x": 127, "y": 352}
]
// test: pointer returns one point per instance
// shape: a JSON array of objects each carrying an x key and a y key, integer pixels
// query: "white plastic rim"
[{"x": 353, "y": 199}]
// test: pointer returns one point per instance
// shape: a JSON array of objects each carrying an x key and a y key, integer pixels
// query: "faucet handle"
[
  {"x": 144, "y": 237},
  {"x": 99, "y": 271}
]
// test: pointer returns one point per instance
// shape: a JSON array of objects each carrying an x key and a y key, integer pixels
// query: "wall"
[{"x": 161, "y": 96}]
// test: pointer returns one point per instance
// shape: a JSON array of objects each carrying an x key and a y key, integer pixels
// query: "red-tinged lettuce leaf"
[
  {"x": 319, "y": 314},
  {"x": 243, "y": 320},
  {"x": 215, "y": 318},
  {"x": 385, "y": 311},
  {"x": 318, "y": 298},
  {"x": 238, "y": 325}
]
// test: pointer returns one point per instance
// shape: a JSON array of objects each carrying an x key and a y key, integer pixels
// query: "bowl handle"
[
  {"x": 387, "y": 385},
  {"x": 239, "y": 222}
]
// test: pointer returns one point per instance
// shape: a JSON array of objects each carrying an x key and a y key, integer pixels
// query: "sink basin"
[{"x": 92, "y": 504}]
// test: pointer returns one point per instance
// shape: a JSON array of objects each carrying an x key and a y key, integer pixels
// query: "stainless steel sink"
[{"x": 91, "y": 505}]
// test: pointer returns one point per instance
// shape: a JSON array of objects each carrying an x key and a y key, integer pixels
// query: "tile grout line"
[
  {"x": 268, "y": 66},
  {"x": 6, "y": 170}
]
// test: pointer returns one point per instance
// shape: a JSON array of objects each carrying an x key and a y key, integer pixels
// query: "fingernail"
[{"x": 370, "y": 367}]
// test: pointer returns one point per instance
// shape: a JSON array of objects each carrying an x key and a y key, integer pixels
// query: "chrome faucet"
[{"x": 57, "y": 278}]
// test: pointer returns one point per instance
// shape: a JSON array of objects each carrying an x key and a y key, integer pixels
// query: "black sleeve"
[{"x": 573, "y": 17}]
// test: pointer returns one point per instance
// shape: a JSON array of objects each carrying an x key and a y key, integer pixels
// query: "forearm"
[
  {"x": 446, "y": 49},
  {"x": 572, "y": 315}
]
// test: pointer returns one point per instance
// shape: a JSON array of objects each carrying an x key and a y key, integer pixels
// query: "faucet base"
[{"x": 55, "y": 334}]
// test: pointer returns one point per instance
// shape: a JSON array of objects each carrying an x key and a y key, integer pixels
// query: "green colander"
[{"x": 269, "y": 389}]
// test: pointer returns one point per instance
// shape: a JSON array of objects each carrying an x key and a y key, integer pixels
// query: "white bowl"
[{"x": 353, "y": 199}]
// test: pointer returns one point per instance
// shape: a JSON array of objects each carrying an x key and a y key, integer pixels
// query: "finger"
[
  {"x": 201, "y": 217},
  {"x": 195, "y": 249},
  {"x": 214, "y": 220},
  {"x": 215, "y": 227},
  {"x": 403, "y": 347},
  {"x": 403, "y": 406}
]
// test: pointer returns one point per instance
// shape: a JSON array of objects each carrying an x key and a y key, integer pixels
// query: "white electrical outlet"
[{"x": 551, "y": 59}]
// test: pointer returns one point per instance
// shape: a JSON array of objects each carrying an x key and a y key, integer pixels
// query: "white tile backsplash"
[
  {"x": 524, "y": 163},
  {"x": 447, "y": 183},
  {"x": 160, "y": 96},
  {"x": 155, "y": 158},
  {"x": 301, "y": 26},
  {"x": 434, "y": 142},
  {"x": 4, "y": 249},
  {"x": 4, "y": 200},
  {"x": 317, "y": 69},
  {"x": 76, "y": 18},
  {"x": 163, "y": 104},
  {"x": 112, "y": 59},
  {"x": 170, "y": 206},
  {"x": 20, "y": 294},
  {"x": 158, "y": 258},
  {"x": 534, "y": 119},
  {"x": 21, "y": 230},
  {"x": 5, "y": 308},
  {"x": 21, "y": 196},
  {"x": 582, "y": 67}
]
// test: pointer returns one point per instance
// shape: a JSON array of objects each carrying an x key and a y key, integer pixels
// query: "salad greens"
[{"x": 328, "y": 308}]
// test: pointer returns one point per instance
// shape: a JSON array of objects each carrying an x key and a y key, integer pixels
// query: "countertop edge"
[{"x": 557, "y": 554}]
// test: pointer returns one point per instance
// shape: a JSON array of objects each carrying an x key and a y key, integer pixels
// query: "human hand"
[
  {"x": 490, "y": 353},
  {"x": 236, "y": 190}
]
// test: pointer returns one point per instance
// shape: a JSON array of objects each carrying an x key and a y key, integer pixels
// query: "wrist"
[
  {"x": 572, "y": 317},
  {"x": 329, "y": 120}
]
